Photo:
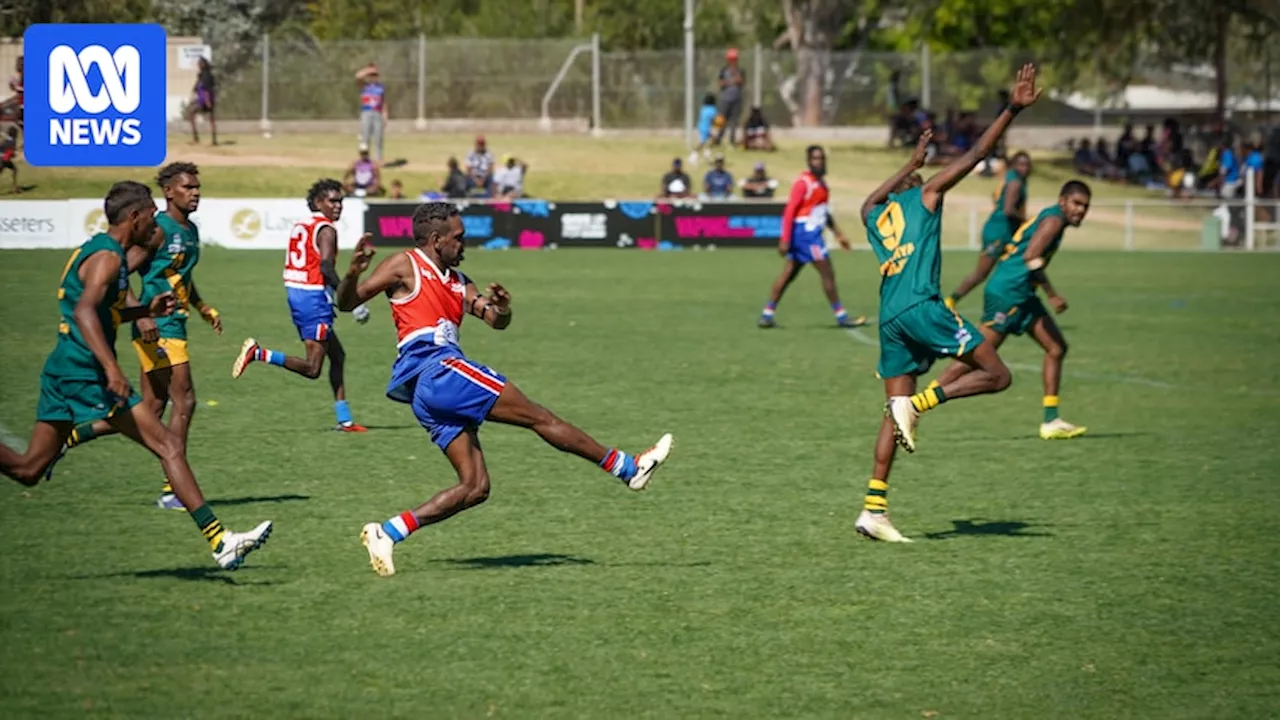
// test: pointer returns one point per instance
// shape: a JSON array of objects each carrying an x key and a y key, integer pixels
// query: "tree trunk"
[{"x": 1221, "y": 18}]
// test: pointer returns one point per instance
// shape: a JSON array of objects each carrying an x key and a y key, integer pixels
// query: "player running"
[
  {"x": 903, "y": 218},
  {"x": 802, "y": 243},
  {"x": 82, "y": 382},
  {"x": 310, "y": 280},
  {"x": 161, "y": 344},
  {"x": 1009, "y": 214},
  {"x": 451, "y": 396},
  {"x": 1010, "y": 305}
]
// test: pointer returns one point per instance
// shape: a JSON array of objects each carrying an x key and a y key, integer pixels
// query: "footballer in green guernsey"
[
  {"x": 903, "y": 219},
  {"x": 161, "y": 344},
  {"x": 1011, "y": 307},
  {"x": 82, "y": 381},
  {"x": 1009, "y": 214}
]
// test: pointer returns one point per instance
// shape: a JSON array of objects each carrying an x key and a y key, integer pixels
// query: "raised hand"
[
  {"x": 499, "y": 296},
  {"x": 363, "y": 254},
  {"x": 921, "y": 153},
  {"x": 1024, "y": 91}
]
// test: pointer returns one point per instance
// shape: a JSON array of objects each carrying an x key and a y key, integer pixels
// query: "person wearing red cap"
[{"x": 731, "y": 82}]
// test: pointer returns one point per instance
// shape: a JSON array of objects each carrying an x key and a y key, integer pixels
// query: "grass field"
[
  {"x": 577, "y": 168},
  {"x": 1128, "y": 574}
]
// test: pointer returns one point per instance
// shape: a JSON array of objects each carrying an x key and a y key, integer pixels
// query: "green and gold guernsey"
[
  {"x": 71, "y": 358},
  {"x": 1011, "y": 280},
  {"x": 170, "y": 270},
  {"x": 907, "y": 239},
  {"x": 998, "y": 217}
]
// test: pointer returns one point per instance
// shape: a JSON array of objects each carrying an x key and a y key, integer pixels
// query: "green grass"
[
  {"x": 578, "y": 168},
  {"x": 1130, "y": 573}
]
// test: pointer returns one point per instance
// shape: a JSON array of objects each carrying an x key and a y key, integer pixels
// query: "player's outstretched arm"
[
  {"x": 494, "y": 309},
  {"x": 389, "y": 275},
  {"x": 1034, "y": 258},
  {"x": 916, "y": 162},
  {"x": 1023, "y": 93}
]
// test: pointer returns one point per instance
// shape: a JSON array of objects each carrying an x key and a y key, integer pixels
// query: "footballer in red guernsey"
[
  {"x": 310, "y": 280},
  {"x": 802, "y": 243},
  {"x": 450, "y": 394}
]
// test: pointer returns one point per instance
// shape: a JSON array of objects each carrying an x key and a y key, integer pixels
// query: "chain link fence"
[{"x": 295, "y": 77}]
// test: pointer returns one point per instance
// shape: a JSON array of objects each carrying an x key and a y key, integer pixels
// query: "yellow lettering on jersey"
[
  {"x": 898, "y": 260},
  {"x": 891, "y": 225}
]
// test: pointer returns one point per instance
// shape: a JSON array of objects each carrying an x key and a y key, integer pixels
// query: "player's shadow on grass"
[
  {"x": 199, "y": 573},
  {"x": 252, "y": 500},
  {"x": 1091, "y": 436},
  {"x": 517, "y": 561},
  {"x": 980, "y": 527}
]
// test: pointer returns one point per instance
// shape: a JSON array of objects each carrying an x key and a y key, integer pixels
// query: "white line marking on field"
[
  {"x": 865, "y": 339},
  {"x": 862, "y": 337},
  {"x": 13, "y": 441}
]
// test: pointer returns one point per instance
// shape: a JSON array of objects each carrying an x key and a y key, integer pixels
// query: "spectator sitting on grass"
[
  {"x": 509, "y": 179},
  {"x": 8, "y": 148},
  {"x": 456, "y": 183},
  {"x": 755, "y": 136},
  {"x": 1085, "y": 160},
  {"x": 363, "y": 179},
  {"x": 397, "y": 191},
  {"x": 676, "y": 184},
  {"x": 718, "y": 183},
  {"x": 759, "y": 184}
]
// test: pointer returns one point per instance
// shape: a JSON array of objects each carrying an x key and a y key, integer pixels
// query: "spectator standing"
[
  {"x": 676, "y": 184},
  {"x": 1255, "y": 161},
  {"x": 731, "y": 82},
  {"x": 718, "y": 183},
  {"x": 16, "y": 85},
  {"x": 759, "y": 185},
  {"x": 707, "y": 116},
  {"x": 509, "y": 179},
  {"x": 373, "y": 109},
  {"x": 202, "y": 101},
  {"x": 480, "y": 167},
  {"x": 1230, "y": 167}
]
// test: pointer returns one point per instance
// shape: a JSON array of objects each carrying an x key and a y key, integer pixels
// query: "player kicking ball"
[
  {"x": 903, "y": 218},
  {"x": 452, "y": 396},
  {"x": 1010, "y": 305},
  {"x": 310, "y": 279},
  {"x": 82, "y": 381}
]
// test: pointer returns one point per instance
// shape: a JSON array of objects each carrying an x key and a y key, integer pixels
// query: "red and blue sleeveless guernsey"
[{"x": 302, "y": 259}]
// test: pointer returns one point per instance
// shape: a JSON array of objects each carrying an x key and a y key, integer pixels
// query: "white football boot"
[
  {"x": 235, "y": 546},
  {"x": 648, "y": 462},
  {"x": 878, "y": 527},
  {"x": 904, "y": 416},
  {"x": 380, "y": 546},
  {"x": 244, "y": 358},
  {"x": 1059, "y": 429}
]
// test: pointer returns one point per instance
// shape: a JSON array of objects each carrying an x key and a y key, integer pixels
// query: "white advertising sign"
[
  {"x": 264, "y": 224},
  {"x": 247, "y": 224},
  {"x": 189, "y": 55},
  {"x": 34, "y": 224}
]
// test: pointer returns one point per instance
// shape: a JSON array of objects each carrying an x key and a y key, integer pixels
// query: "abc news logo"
[
  {"x": 69, "y": 91},
  {"x": 96, "y": 95}
]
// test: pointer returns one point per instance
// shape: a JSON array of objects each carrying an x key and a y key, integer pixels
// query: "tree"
[{"x": 812, "y": 30}]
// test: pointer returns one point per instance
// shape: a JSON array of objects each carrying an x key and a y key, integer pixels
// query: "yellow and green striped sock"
[
  {"x": 166, "y": 489},
  {"x": 929, "y": 398},
  {"x": 80, "y": 435},
  {"x": 1050, "y": 408},
  {"x": 877, "y": 499},
  {"x": 209, "y": 526}
]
